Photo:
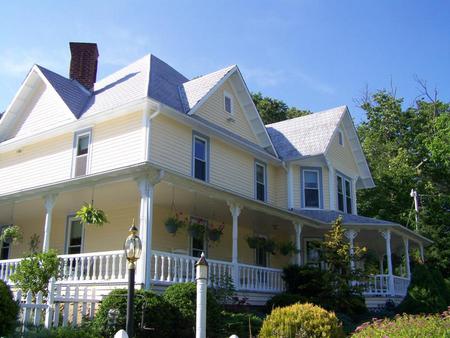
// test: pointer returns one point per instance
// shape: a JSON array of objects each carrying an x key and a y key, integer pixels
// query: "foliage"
[
  {"x": 60, "y": 332},
  {"x": 301, "y": 320},
  {"x": 214, "y": 233},
  {"x": 157, "y": 314},
  {"x": 409, "y": 148},
  {"x": 284, "y": 299},
  {"x": 305, "y": 280},
  {"x": 406, "y": 326},
  {"x": 182, "y": 297},
  {"x": 287, "y": 248},
  {"x": 174, "y": 223},
  {"x": 240, "y": 324},
  {"x": 90, "y": 215},
  {"x": 196, "y": 230},
  {"x": 257, "y": 242},
  {"x": 35, "y": 270},
  {"x": 34, "y": 242},
  {"x": 273, "y": 110},
  {"x": 222, "y": 288},
  {"x": 427, "y": 293},
  {"x": 11, "y": 234},
  {"x": 9, "y": 310}
]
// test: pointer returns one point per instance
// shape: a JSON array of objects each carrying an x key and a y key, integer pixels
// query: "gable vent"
[{"x": 83, "y": 63}]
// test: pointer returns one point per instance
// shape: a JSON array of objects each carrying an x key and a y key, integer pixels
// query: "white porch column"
[
  {"x": 351, "y": 235},
  {"x": 235, "y": 212},
  {"x": 332, "y": 185},
  {"x": 146, "y": 188},
  {"x": 408, "y": 267},
  {"x": 49, "y": 202},
  {"x": 387, "y": 236},
  {"x": 422, "y": 256},
  {"x": 382, "y": 264},
  {"x": 298, "y": 243},
  {"x": 290, "y": 186}
]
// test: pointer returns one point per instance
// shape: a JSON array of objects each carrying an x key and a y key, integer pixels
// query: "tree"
[
  {"x": 409, "y": 148},
  {"x": 273, "y": 110}
]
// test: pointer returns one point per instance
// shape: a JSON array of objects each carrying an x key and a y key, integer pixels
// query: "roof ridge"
[
  {"x": 313, "y": 114},
  {"x": 211, "y": 73}
]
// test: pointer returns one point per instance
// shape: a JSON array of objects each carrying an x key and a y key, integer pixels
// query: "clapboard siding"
[
  {"x": 342, "y": 157},
  {"x": 117, "y": 143},
  {"x": 213, "y": 110}
]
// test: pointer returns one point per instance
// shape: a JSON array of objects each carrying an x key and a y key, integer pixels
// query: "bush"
[
  {"x": 427, "y": 293},
  {"x": 240, "y": 324},
  {"x": 282, "y": 300},
  {"x": 305, "y": 280},
  {"x": 9, "y": 310},
  {"x": 60, "y": 332},
  {"x": 406, "y": 326},
  {"x": 35, "y": 270},
  {"x": 158, "y": 315},
  {"x": 301, "y": 320},
  {"x": 183, "y": 297}
]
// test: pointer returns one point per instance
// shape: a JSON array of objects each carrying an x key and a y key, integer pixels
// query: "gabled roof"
[{"x": 306, "y": 135}]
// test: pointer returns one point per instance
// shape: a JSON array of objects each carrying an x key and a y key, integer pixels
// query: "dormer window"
[
  {"x": 312, "y": 186},
  {"x": 82, "y": 142},
  {"x": 340, "y": 138},
  {"x": 228, "y": 103}
]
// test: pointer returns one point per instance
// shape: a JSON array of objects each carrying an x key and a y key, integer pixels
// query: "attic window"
[
  {"x": 341, "y": 138},
  {"x": 228, "y": 103}
]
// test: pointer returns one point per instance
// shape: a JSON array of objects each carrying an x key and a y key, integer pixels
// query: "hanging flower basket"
[
  {"x": 173, "y": 224},
  {"x": 255, "y": 242},
  {"x": 270, "y": 246},
  {"x": 90, "y": 215},
  {"x": 196, "y": 230},
  {"x": 287, "y": 248},
  {"x": 214, "y": 234},
  {"x": 11, "y": 234}
]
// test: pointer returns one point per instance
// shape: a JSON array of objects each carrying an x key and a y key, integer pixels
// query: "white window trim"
[
  {"x": 344, "y": 194},
  {"x": 341, "y": 138},
  {"x": 70, "y": 219},
  {"x": 206, "y": 160},
  {"x": 228, "y": 95},
  {"x": 77, "y": 136},
  {"x": 264, "y": 166},
  {"x": 319, "y": 189}
]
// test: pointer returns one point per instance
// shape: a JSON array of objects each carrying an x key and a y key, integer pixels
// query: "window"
[
  {"x": 74, "y": 236},
  {"x": 228, "y": 103},
  {"x": 5, "y": 246},
  {"x": 312, "y": 251},
  {"x": 344, "y": 194},
  {"x": 200, "y": 158},
  {"x": 198, "y": 244},
  {"x": 260, "y": 181},
  {"x": 81, "y": 153},
  {"x": 311, "y": 188},
  {"x": 341, "y": 138},
  {"x": 261, "y": 255}
]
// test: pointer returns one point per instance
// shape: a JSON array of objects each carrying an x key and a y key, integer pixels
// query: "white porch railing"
[
  {"x": 255, "y": 278},
  {"x": 7, "y": 268},
  {"x": 378, "y": 285}
]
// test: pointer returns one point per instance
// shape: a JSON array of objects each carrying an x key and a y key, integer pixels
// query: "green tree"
[
  {"x": 273, "y": 110},
  {"x": 409, "y": 148}
]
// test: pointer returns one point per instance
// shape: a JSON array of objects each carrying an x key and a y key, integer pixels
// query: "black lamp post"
[{"x": 133, "y": 249}]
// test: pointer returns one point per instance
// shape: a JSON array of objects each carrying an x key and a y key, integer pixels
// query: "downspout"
[{"x": 147, "y": 117}]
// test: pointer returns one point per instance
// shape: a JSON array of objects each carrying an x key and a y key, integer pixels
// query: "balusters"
[
  {"x": 121, "y": 269},
  {"x": 113, "y": 270},
  {"x": 162, "y": 268},
  {"x": 94, "y": 268},
  {"x": 107, "y": 267}
]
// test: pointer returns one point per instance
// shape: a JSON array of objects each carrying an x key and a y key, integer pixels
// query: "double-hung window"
[
  {"x": 5, "y": 245},
  {"x": 228, "y": 103},
  {"x": 74, "y": 236},
  {"x": 311, "y": 188},
  {"x": 344, "y": 194},
  {"x": 260, "y": 181},
  {"x": 81, "y": 153},
  {"x": 200, "y": 158}
]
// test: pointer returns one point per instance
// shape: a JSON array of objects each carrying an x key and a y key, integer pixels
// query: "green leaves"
[{"x": 90, "y": 215}]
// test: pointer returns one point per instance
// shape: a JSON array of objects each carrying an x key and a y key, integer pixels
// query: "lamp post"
[
  {"x": 202, "y": 284},
  {"x": 133, "y": 249}
]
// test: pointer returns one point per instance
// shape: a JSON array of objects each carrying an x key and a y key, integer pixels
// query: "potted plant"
[
  {"x": 270, "y": 246},
  {"x": 90, "y": 215},
  {"x": 287, "y": 248},
  {"x": 256, "y": 242},
  {"x": 11, "y": 234},
  {"x": 174, "y": 223},
  {"x": 214, "y": 234},
  {"x": 196, "y": 230}
]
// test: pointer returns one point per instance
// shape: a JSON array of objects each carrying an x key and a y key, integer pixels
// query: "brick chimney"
[{"x": 83, "y": 63}]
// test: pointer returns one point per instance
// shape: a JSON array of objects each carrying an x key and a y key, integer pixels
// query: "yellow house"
[{"x": 147, "y": 143}]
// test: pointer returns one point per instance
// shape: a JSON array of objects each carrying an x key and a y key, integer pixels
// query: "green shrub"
[
  {"x": 35, "y": 270},
  {"x": 183, "y": 298},
  {"x": 301, "y": 320},
  {"x": 283, "y": 299},
  {"x": 60, "y": 332},
  {"x": 427, "y": 293},
  {"x": 305, "y": 280},
  {"x": 9, "y": 310},
  {"x": 240, "y": 324},
  {"x": 158, "y": 315},
  {"x": 406, "y": 326}
]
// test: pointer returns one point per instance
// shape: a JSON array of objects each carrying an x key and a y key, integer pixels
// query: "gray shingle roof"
[
  {"x": 306, "y": 135},
  {"x": 329, "y": 216}
]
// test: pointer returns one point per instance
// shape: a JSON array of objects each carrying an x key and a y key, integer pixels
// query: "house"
[{"x": 147, "y": 143}]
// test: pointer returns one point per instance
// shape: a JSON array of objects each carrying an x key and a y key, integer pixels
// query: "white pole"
[
  {"x": 49, "y": 204},
  {"x": 408, "y": 267},
  {"x": 387, "y": 236},
  {"x": 422, "y": 256},
  {"x": 351, "y": 235},
  {"x": 235, "y": 212},
  {"x": 202, "y": 285},
  {"x": 415, "y": 196},
  {"x": 298, "y": 243}
]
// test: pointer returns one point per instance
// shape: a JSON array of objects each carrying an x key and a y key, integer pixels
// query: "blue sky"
[{"x": 311, "y": 54}]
